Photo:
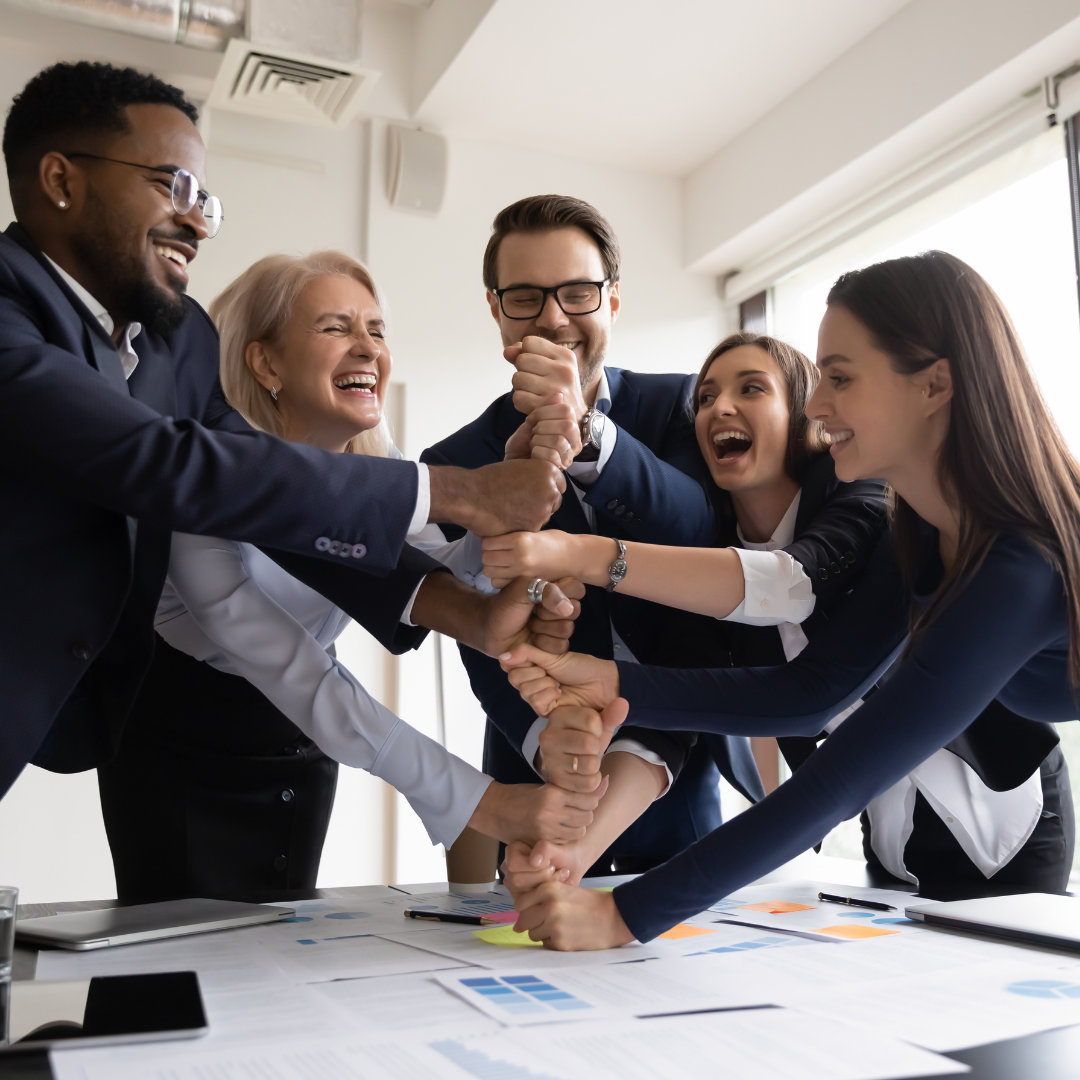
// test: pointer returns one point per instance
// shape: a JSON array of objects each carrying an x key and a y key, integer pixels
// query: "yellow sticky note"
[
  {"x": 683, "y": 930},
  {"x": 855, "y": 931},
  {"x": 777, "y": 907},
  {"x": 505, "y": 936}
]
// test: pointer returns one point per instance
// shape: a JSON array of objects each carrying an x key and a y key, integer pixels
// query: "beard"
[{"x": 121, "y": 279}]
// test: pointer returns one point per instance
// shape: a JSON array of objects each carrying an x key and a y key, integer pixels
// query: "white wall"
[
  {"x": 289, "y": 188},
  {"x": 933, "y": 72}
]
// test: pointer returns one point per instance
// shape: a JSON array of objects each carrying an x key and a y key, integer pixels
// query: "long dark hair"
[{"x": 1003, "y": 461}]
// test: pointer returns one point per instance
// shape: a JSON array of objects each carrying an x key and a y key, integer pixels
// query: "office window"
[{"x": 1011, "y": 221}]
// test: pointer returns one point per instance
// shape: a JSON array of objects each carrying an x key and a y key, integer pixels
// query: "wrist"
[
  {"x": 487, "y": 817},
  {"x": 449, "y": 490}
]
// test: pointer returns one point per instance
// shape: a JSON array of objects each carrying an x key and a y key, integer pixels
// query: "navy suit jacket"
[
  {"x": 86, "y": 454},
  {"x": 652, "y": 490}
]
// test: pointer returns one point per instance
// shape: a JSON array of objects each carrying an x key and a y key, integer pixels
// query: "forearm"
[
  {"x": 708, "y": 581},
  {"x": 634, "y": 784},
  {"x": 450, "y": 607}
]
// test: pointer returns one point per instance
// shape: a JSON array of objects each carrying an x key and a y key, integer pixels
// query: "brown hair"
[
  {"x": 256, "y": 307},
  {"x": 1003, "y": 463},
  {"x": 806, "y": 437},
  {"x": 542, "y": 213}
]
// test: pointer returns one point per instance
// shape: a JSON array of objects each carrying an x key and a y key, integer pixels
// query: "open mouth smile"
[
  {"x": 838, "y": 439},
  {"x": 176, "y": 258},
  {"x": 356, "y": 382},
  {"x": 730, "y": 445}
]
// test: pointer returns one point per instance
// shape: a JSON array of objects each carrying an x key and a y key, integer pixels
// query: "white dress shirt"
[{"x": 232, "y": 606}]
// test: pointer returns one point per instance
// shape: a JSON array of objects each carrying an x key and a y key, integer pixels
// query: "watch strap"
[{"x": 617, "y": 570}]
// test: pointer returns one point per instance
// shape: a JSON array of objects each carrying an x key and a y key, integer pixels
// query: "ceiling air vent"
[{"x": 289, "y": 86}]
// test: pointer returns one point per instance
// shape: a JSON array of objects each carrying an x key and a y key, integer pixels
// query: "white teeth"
[
  {"x": 724, "y": 436},
  {"x": 171, "y": 254},
  {"x": 362, "y": 380},
  {"x": 839, "y": 436}
]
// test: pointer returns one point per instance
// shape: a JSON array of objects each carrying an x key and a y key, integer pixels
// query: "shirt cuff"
[
  {"x": 423, "y": 500},
  {"x": 530, "y": 745},
  {"x": 632, "y": 746},
  {"x": 586, "y": 473},
  {"x": 777, "y": 589}
]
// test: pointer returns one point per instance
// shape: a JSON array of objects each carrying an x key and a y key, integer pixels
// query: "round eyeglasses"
[
  {"x": 184, "y": 190},
  {"x": 573, "y": 297}
]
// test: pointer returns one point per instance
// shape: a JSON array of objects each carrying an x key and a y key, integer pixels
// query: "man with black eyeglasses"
[
  {"x": 551, "y": 270},
  {"x": 106, "y": 370}
]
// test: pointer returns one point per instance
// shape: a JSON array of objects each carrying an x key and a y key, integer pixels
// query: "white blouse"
[{"x": 232, "y": 606}]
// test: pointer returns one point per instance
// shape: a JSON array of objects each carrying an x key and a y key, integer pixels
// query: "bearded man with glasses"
[
  {"x": 108, "y": 372},
  {"x": 551, "y": 271}
]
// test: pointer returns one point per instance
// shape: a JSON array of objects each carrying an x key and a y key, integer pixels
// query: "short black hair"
[{"x": 66, "y": 99}]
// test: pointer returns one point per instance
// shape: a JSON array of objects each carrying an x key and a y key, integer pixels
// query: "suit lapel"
[{"x": 96, "y": 343}]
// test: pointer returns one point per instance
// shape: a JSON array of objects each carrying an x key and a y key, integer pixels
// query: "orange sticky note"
[
  {"x": 777, "y": 907},
  {"x": 683, "y": 930},
  {"x": 855, "y": 931}
]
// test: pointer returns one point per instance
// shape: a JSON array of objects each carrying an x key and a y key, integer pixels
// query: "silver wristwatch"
[
  {"x": 617, "y": 570},
  {"x": 592, "y": 432}
]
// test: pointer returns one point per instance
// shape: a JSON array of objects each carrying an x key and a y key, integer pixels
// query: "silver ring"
[
  {"x": 573, "y": 764},
  {"x": 536, "y": 590}
]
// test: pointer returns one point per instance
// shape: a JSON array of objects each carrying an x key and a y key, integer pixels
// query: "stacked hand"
[
  {"x": 546, "y": 680},
  {"x": 551, "y": 907},
  {"x": 549, "y": 433},
  {"x": 549, "y": 554},
  {"x": 545, "y": 369},
  {"x": 515, "y": 621}
]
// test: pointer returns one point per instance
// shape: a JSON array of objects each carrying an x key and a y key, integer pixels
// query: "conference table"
[{"x": 1050, "y": 1055}]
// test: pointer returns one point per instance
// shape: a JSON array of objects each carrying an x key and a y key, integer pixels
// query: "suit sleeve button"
[
  {"x": 280, "y": 862},
  {"x": 80, "y": 650},
  {"x": 288, "y": 795}
]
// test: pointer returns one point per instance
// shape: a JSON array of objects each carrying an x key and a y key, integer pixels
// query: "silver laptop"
[
  {"x": 143, "y": 922},
  {"x": 1032, "y": 918}
]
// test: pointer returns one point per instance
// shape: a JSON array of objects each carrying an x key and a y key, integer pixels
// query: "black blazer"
[{"x": 87, "y": 454}]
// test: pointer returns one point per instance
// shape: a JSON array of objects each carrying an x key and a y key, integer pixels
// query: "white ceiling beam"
[
  {"x": 921, "y": 79},
  {"x": 442, "y": 32}
]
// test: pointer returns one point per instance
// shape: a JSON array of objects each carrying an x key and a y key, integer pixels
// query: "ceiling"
[
  {"x": 657, "y": 85},
  {"x": 654, "y": 85}
]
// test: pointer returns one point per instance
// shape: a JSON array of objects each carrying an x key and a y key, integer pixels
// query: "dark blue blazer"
[
  {"x": 652, "y": 490},
  {"x": 86, "y": 455}
]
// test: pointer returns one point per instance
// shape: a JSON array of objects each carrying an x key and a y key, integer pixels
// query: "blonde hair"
[{"x": 256, "y": 307}]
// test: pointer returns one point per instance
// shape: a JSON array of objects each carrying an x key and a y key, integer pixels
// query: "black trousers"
[
  {"x": 213, "y": 792},
  {"x": 945, "y": 872}
]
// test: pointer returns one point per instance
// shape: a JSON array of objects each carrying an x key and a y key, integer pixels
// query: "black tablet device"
[{"x": 103, "y": 1009}]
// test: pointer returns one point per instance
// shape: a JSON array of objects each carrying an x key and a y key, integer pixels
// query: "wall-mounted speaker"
[{"x": 416, "y": 169}]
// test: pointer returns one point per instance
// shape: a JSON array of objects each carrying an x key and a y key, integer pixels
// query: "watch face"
[{"x": 596, "y": 427}]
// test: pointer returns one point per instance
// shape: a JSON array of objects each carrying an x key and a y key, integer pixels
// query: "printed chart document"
[{"x": 757, "y": 1043}]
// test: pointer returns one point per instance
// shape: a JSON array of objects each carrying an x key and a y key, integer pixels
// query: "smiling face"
[
  {"x": 128, "y": 246},
  {"x": 330, "y": 364},
  {"x": 555, "y": 258},
  {"x": 742, "y": 423},
  {"x": 882, "y": 424}
]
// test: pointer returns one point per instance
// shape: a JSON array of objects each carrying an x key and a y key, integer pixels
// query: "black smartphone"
[{"x": 103, "y": 1009}]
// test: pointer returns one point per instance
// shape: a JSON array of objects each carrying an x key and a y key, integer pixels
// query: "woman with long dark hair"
[{"x": 923, "y": 384}]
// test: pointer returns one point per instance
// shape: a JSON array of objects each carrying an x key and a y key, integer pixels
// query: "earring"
[
  {"x": 62, "y": 204},
  {"x": 273, "y": 392}
]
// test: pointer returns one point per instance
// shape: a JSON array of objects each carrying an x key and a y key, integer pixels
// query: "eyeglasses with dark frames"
[
  {"x": 573, "y": 297},
  {"x": 184, "y": 191}
]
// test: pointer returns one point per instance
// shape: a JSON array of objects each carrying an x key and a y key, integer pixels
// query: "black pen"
[
  {"x": 449, "y": 916},
  {"x": 874, "y": 905}
]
